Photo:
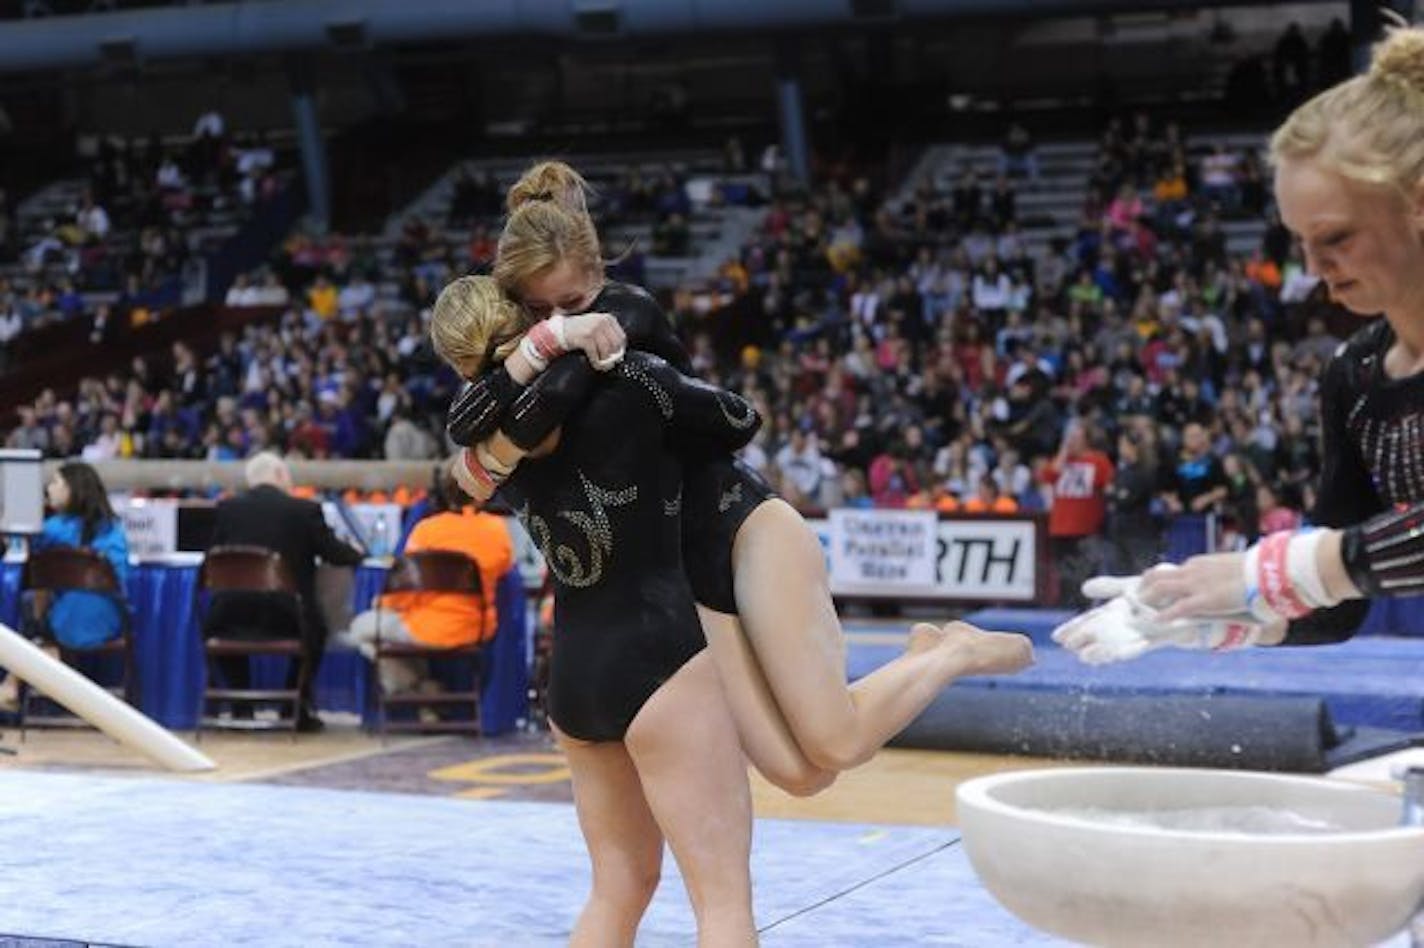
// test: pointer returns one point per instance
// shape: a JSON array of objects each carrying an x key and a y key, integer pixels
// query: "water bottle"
[
  {"x": 1413, "y": 779},
  {"x": 380, "y": 544},
  {"x": 1413, "y": 815}
]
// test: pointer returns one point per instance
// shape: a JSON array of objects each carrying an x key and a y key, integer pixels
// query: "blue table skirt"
[{"x": 169, "y": 653}]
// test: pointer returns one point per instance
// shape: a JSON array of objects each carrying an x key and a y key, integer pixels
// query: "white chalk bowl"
[{"x": 1082, "y": 876}]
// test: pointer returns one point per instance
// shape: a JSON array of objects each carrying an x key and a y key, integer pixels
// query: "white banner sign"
[
  {"x": 889, "y": 549},
  {"x": 151, "y": 527},
  {"x": 376, "y": 528},
  {"x": 21, "y": 491},
  {"x": 991, "y": 560}
]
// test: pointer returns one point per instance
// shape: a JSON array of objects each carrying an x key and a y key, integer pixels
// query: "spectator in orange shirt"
[
  {"x": 944, "y": 501},
  {"x": 1263, "y": 270},
  {"x": 439, "y": 619},
  {"x": 1171, "y": 185},
  {"x": 989, "y": 499},
  {"x": 322, "y": 297}
]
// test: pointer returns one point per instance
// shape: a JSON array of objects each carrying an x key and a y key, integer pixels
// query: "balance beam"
[{"x": 95, "y": 705}]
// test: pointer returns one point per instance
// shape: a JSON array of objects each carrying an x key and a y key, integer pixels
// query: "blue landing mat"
[
  {"x": 169, "y": 863},
  {"x": 1369, "y": 681}
]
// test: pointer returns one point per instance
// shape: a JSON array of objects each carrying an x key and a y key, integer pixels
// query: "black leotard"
[
  {"x": 1373, "y": 432},
  {"x": 719, "y": 492},
  {"x": 603, "y": 509}
]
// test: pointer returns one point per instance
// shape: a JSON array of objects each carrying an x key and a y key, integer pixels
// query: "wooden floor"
[
  {"x": 898, "y": 786},
  {"x": 239, "y": 756}
]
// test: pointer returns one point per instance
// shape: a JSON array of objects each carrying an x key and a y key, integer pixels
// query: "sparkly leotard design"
[{"x": 602, "y": 509}]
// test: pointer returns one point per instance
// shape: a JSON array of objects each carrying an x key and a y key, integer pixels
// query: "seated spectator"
[
  {"x": 893, "y": 480},
  {"x": 1318, "y": 343},
  {"x": 482, "y": 248},
  {"x": 241, "y": 293},
  {"x": 967, "y": 198},
  {"x": 989, "y": 499},
  {"x": 81, "y": 518},
  {"x": 1125, "y": 209},
  {"x": 803, "y": 467},
  {"x": 322, "y": 298},
  {"x": 854, "y": 492},
  {"x": 1195, "y": 482},
  {"x": 439, "y": 619},
  {"x": 169, "y": 176},
  {"x": 406, "y": 441},
  {"x": 1219, "y": 179},
  {"x": 1273, "y": 514},
  {"x": 109, "y": 442},
  {"x": 92, "y": 219},
  {"x": 672, "y": 237},
  {"x": 271, "y": 292},
  {"x": 355, "y": 297},
  {"x": 1016, "y": 154},
  {"x": 1011, "y": 475},
  {"x": 1169, "y": 193},
  {"x": 29, "y": 433},
  {"x": 992, "y": 290}
]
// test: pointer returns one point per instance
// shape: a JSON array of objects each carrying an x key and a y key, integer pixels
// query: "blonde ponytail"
[{"x": 474, "y": 322}]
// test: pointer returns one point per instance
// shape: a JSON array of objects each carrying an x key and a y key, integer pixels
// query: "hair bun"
[
  {"x": 1399, "y": 58},
  {"x": 549, "y": 182}
]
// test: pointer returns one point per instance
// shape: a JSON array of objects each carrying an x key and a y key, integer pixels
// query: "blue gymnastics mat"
[
  {"x": 1302, "y": 709},
  {"x": 1371, "y": 681}
]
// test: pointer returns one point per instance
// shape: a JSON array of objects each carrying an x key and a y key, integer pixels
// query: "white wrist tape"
[
  {"x": 497, "y": 469},
  {"x": 1303, "y": 566},
  {"x": 556, "y": 323},
  {"x": 531, "y": 353},
  {"x": 1282, "y": 578}
]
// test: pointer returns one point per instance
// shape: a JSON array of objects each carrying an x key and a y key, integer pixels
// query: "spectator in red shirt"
[{"x": 1080, "y": 476}]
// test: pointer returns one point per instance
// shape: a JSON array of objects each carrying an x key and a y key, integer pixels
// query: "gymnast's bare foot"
[
  {"x": 923, "y": 637},
  {"x": 980, "y": 652}
]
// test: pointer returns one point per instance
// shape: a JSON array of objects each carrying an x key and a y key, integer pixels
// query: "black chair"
[
  {"x": 432, "y": 571},
  {"x": 65, "y": 569},
  {"x": 251, "y": 569}
]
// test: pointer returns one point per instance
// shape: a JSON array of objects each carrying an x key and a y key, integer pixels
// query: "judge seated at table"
[
  {"x": 266, "y": 515},
  {"x": 439, "y": 619}
]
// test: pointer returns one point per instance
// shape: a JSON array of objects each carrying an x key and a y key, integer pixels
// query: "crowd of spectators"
[
  {"x": 120, "y": 252},
  {"x": 906, "y": 353},
  {"x": 329, "y": 378},
  {"x": 917, "y": 355}
]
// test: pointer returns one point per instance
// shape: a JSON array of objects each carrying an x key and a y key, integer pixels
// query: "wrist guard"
[{"x": 1385, "y": 554}]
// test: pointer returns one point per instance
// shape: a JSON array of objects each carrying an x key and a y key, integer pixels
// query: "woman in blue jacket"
[{"x": 82, "y": 517}]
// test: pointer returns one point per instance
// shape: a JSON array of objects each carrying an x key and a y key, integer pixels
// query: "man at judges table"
[{"x": 266, "y": 515}]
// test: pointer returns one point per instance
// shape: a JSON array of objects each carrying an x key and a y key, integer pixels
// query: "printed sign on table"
[
  {"x": 992, "y": 560},
  {"x": 151, "y": 527},
  {"x": 884, "y": 548}
]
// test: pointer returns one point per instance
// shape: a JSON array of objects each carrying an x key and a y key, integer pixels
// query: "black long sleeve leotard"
[
  {"x": 1373, "y": 434},
  {"x": 719, "y": 492},
  {"x": 603, "y": 509}
]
